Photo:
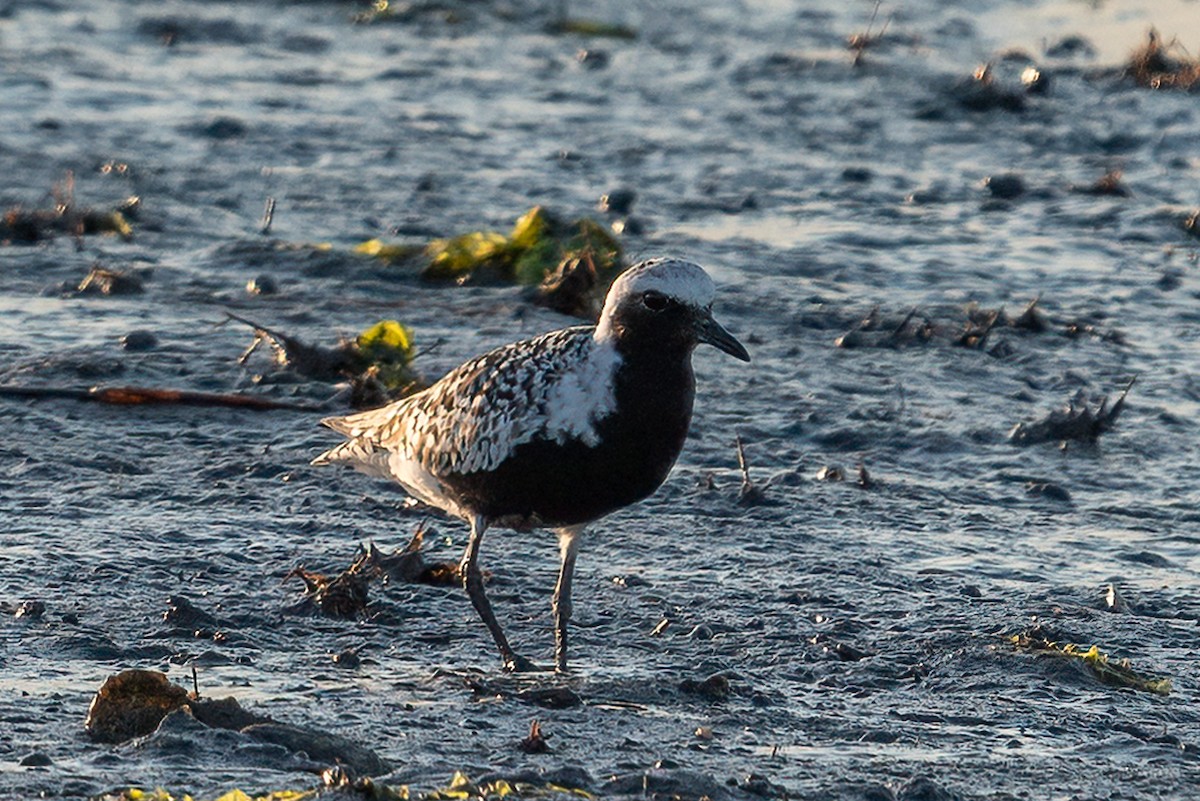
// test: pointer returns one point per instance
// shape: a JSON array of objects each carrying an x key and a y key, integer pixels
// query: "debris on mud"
[
  {"x": 572, "y": 288},
  {"x": 535, "y": 743},
  {"x": 552, "y": 696},
  {"x": 749, "y": 494},
  {"x": 538, "y": 244},
  {"x": 843, "y": 652},
  {"x": 1163, "y": 65},
  {"x": 1114, "y": 601},
  {"x": 183, "y": 615},
  {"x": 20, "y": 226},
  {"x": 566, "y": 24},
  {"x": 377, "y": 363},
  {"x": 1109, "y": 184},
  {"x": 102, "y": 281},
  {"x": 1115, "y": 674},
  {"x": 983, "y": 92},
  {"x": 872, "y": 332},
  {"x": 461, "y": 788},
  {"x": 714, "y": 688},
  {"x": 1048, "y": 490},
  {"x": 407, "y": 565},
  {"x": 135, "y": 703},
  {"x": 1078, "y": 420},
  {"x": 149, "y": 396},
  {"x": 979, "y": 326},
  {"x": 876, "y": 330},
  {"x": 342, "y": 596},
  {"x": 831, "y": 474},
  {"x": 864, "y": 478},
  {"x": 1030, "y": 319},
  {"x": 858, "y": 43},
  {"x": 1005, "y": 185},
  {"x": 132, "y": 703},
  {"x": 387, "y": 11},
  {"x": 617, "y": 201},
  {"x": 30, "y": 610},
  {"x": 346, "y": 594},
  {"x": 1191, "y": 223}
]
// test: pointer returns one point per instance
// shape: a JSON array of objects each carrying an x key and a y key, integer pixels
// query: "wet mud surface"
[{"x": 814, "y": 638}]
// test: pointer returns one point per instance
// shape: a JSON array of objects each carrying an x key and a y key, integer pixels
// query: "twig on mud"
[
  {"x": 1077, "y": 420},
  {"x": 859, "y": 42},
  {"x": 864, "y": 478},
  {"x": 748, "y": 494},
  {"x": 268, "y": 217},
  {"x": 975, "y": 335},
  {"x": 148, "y": 396},
  {"x": 1030, "y": 319}
]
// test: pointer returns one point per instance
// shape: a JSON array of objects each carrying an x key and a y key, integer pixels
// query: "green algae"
[
  {"x": 1115, "y": 673},
  {"x": 531, "y": 252}
]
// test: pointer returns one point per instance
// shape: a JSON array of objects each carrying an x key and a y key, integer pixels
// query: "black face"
[{"x": 652, "y": 319}]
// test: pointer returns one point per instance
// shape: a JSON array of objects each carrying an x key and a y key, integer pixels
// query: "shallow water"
[{"x": 814, "y": 191}]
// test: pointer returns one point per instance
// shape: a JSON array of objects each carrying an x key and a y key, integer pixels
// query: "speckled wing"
[{"x": 474, "y": 417}]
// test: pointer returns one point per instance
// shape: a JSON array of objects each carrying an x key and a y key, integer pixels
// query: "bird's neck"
[{"x": 654, "y": 385}]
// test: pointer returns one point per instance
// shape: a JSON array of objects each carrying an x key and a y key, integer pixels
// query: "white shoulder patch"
[{"x": 583, "y": 396}]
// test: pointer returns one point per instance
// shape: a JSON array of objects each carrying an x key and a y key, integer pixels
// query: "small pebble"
[
  {"x": 224, "y": 128},
  {"x": 36, "y": 760},
  {"x": 618, "y": 201},
  {"x": 714, "y": 688},
  {"x": 1044, "y": 489},
  {"x": 551, "y": 697},
  {"x": 101, "y": 281},
  {"x": 262, "y": 285},
  {"x": 592, "y": 59},
  {"x": 30, "y": 609},
  {"x": 139, "y": 340},
  {"x": 1005, "y": 186},
  {"x": 347, "y": 659},
  {"x": 1035, "y": 81},
  {"x": 633, "y": 226},
  {"x": 831, "y": 473}
]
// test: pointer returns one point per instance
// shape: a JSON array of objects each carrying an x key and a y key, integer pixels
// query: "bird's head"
[{"x": 667, "y": 301}]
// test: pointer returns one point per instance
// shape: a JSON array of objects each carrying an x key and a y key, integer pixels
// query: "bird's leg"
[
  {"x": 473, "y": 583},
  {"x": 568, "y": 544}
]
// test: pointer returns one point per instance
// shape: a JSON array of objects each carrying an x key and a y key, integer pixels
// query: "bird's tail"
[{"x": 359, "y": 453}]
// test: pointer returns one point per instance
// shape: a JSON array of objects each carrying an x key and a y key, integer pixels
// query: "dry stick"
[
  {"x": 195, "y": 685},
  {"x": 135, "y": 396},
  {"x": 747, "y": 487},
  {"x": 268, "y": 217}
]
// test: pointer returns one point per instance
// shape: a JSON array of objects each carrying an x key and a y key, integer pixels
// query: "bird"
[{"x": 552, "y": 432}]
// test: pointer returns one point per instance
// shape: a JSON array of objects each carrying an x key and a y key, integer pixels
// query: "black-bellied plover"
[{"x": 551, "y": 432}]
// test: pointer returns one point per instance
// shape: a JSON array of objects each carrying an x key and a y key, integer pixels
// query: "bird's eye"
[{"x": 655, "y": 301}]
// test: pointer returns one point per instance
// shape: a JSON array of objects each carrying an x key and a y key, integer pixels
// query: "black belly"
[{"x": 563, "y": 484}]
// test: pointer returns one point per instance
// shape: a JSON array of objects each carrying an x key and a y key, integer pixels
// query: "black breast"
[{"x": 561, "y": 484}]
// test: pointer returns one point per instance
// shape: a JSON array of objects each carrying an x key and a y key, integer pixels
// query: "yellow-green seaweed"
[
  {"x": 1112, "y": 673},
  {"x": 538, "y": 242},
  {"x": 460, "y": 788}
]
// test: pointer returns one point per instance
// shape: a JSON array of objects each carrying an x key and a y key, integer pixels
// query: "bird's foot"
[{"x": 515, "y": 663}]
